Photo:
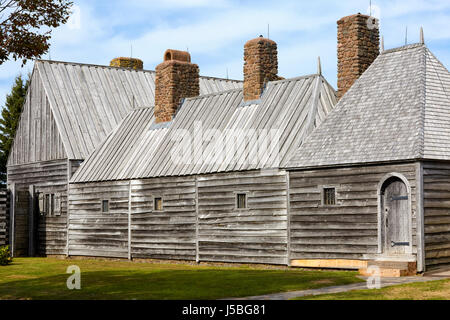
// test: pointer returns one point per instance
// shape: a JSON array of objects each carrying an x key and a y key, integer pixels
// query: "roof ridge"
[
  {"x": 127, "y": 69},
  {"x": 423, "y": 84},
  {"x": 296, "y": 78},
  {"x": 405, "y": 47},
  {"x": 212, "y": 94}
]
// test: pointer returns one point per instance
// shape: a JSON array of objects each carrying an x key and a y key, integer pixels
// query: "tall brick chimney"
[
  {"x": 130, "y": 63},
  {"x": 358, "y": 47},
  {"x": 260, "y": 66},
  {"x": 176, "y": 78}
]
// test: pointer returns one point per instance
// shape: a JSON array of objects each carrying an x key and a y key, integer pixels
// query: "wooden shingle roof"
[
  {"x": 141, "y": 149},
  {"x": 89, "y": 101},
  {"x": 399, "y": 109}
]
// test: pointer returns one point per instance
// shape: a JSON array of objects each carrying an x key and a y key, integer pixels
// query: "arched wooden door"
[{"x": 396, "y": 217}]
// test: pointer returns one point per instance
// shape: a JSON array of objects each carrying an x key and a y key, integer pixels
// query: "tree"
[
  {"x": 10, "y": 120},
  {"x": 25, "y": 26}
]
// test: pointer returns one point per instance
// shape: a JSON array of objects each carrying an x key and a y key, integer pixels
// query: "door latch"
[{"x": 393, "y": 244}]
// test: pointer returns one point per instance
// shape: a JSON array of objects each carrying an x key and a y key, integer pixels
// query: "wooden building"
[
  {"x": 69, "y": 110},
  {"x": 199, "y": 217},
  {"x": 372, "y": 182},
  {"x": 100, "y": 167}
]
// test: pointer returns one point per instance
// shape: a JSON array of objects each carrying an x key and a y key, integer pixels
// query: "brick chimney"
[
  {"x": 358, "y": 47},
  {"x": 130, "y": 63},
  {"x": 260, "y": 66},
  {"x": 176, "y": 78}
]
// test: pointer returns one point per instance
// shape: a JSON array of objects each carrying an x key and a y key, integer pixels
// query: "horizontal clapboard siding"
[
  {"x": 167, "y": 234},
  {"x": 255, "y": 235},
  {"x": 4, "y": 217},
  {"x": 436, "y": 181},
  {"x": 92, "y": 232},
  {"x": 348, "y": 230},
  {"x": 47, "y": 177}
]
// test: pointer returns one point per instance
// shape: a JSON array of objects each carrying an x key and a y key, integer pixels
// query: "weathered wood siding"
[
  {"x": 219, "y": 232},
  {"x": 348, "y": 230},
  {"x": 92, "y": 232},
  {"x": 37, "y": 137},
  {"x": 47, "y": 177},
  {"x": 4, "y": 217},
  {"x": 436, "y": 181},
  {"x": 254, "y": 235},
  {"x": 170, "y": 233}
]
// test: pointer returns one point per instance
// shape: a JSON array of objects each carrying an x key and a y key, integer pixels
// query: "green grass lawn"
[
  {"x": 433, "y": 290},
  {"x": 45, "y": 278}
]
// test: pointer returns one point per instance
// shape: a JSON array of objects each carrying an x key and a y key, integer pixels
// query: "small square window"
[
  {"x": 105, "y": 206},
  {"x": 158, "y": 204},
  {"x": 329, "y": 196},
  {"x": 241, "y": 201}
]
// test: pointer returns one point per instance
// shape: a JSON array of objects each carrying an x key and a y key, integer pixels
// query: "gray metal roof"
[
  {"x": 141, "y": 149},
  {"x": 399, "y": 109},
  {"x": 89, "y": 101}
]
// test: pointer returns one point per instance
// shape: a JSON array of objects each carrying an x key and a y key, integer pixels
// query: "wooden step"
[{"x": 390, "y": 269}]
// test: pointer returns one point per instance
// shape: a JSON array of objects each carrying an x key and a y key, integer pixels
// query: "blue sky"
[{"x": 215, "y": 32}]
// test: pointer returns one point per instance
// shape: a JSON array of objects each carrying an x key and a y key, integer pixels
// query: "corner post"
[
  {"x": 31, "y": 222},
  {"x": 129, "y": 221},
  {"x": 420, "y": 219},
  {"x": 288, "y": 213},
  {"x": 12, "y": 206}
]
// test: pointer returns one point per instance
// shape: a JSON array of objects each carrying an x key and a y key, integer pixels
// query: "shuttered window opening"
[
  {"x": 158, "y": 204},
  {"x": 241, "y": 201},
  {"x": 47, "y": 204},
  {"x": 41, "y": 204},
  {"x": 329, "y": 196},
  {"x": 105, "y": 206},
  {"x": 57, "y": 204},
  {"x": 52, "y": 204}
]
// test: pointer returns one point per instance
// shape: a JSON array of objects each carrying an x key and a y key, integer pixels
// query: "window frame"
[
  {"x": 323, "y": 193},
  {"x": 107, "y": 205},
  {"x": 236, "y": 201},
  {"x": 154, "y": 203}
]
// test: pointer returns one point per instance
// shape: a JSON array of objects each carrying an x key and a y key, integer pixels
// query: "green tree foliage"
[
  {"x": 25, "y": 26},
  {"x": 5, "y": 256},
  {"x": 10, "y": 120}
]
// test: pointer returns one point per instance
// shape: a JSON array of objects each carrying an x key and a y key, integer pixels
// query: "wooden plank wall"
[
  {"x": 4, "y": 217},
  {"x": 219, "y": 233},
  {"x": 93, "y": 233},
  {"x": 169, "y": 234},
  {"x": 47, "y": 177},
  {"x": 37, "y": 137},
  {"x": 348, "y": 230},
  {"x": 255, "y": 235},
  {"x": 436, "y": 181}
]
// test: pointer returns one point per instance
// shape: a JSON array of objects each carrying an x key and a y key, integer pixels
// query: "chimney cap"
[
  {"x": 177, "y": 55},
  {"x": 260, "y": 39},
  {"x": 127, "y": 62}
]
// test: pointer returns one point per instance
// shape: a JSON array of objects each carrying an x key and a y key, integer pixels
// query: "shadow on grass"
[{"x": 171, "y": 284}]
